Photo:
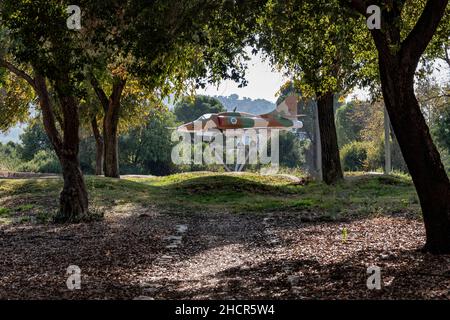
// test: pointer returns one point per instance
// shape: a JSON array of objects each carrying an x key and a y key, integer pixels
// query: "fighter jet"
[{"x": 284, "y": 117}]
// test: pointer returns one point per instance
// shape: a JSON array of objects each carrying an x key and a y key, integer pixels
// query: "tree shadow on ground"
[
  {"x": 417, "y": 277},
  {"x": 118, "y": 254}
]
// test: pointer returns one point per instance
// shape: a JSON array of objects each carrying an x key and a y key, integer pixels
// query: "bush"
[
  {"x": 291, "y": 150},
  {"x": 354, "y": 156},
  {"x": 369, "y": 156},
  {"x": 147, "y": 149},
  {"x": 9, "y": 159},
  {"x": 44, "y": 161},
  {"x": 445, "y": 156},
  {"x": 375, "y": 155}
]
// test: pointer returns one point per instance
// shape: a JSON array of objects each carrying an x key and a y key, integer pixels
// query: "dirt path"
[{"x": 142, "y": 254}]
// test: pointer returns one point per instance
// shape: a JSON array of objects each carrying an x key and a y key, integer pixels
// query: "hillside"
[{"x": 258, "y": 106}]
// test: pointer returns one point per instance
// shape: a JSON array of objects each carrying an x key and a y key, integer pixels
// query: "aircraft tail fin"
[{"x": 287, "y": 108}]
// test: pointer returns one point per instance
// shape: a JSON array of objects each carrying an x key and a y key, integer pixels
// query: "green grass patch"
[
  {"x": 359, "y": 195},
  {"x": 4, "y": 212},
  {"x": 24, "y": 208}
]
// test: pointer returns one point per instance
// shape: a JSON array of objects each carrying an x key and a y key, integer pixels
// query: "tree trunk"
[
  {"x": 111, "y": 108},
  {"x": 73, "y": 202},
  {"x": 420, "y": 154},
  {"x": 331, "y": 163},
  {"x": 110, "y": 148},
  {"x": 99, "y": 147}
]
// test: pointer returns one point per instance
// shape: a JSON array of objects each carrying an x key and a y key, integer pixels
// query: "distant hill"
[{"x": 258, "y": 106}]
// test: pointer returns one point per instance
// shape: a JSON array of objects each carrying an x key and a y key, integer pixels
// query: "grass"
[
  {"x": 4, "y": 212},
  {"x": 359, "y": 195}
]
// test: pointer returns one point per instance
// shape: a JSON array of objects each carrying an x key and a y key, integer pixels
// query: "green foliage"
[
  {"x": 347, "y": 127},
  {"x": 291, "y": 150},
  {"x": 33, "y": 139},
  {"x": 316, "y": 41},
  {"x": 15, "y": 97},
  {"x": 354, "y": 156},
  {"x": 9, "y": 159},
  {"x": 44, "y": 161},
  {"x": 189, "y": 110},
  {"x": 147, "y": 149},
  {"x": 445, "y": 154},
  {"x": 441, "y": 130},
  {"x": 37, "y": 37},
  {"x": 4, "y": 212},
  {"x": 181, "y": 43},
  {"x": 360, "y": 125}
]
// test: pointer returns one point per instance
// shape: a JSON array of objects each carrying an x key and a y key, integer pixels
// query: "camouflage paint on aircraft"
[{"x": 284, "y": 117}]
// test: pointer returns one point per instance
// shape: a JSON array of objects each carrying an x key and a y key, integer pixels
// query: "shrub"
[
  {"x": 354, "y": 156},
  {"x": 375, "y": 155},
  {"x": 44, "y": 161},
  {"x": 9, "y": 159}
]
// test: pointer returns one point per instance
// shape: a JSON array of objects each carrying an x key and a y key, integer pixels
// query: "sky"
[
  {"x": 11, "y": 135},
  {"x": 263, "y": 82}
]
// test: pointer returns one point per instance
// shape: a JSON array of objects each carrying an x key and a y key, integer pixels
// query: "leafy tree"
[
  {"x": 15, "y": 99},
  {"x": 147, "y": 149},
  {"x": 354, "y": 156},
  {"x": 39, "y": 49},
  {"x": 189, "y": 109},
  {"x": 291, "y": 155},
  {"x": 407, "y": 28},
  {"x": 348, "y": 124},
  {"x": 167, "y": 44},
  {"x": 314, "y": 41},
  {"x": 44, "y": 161},
  {"x": 32, "y": 140},
  {"x": 442, "y": 128},
  {"x": 9, "y": 159},
  {"x": 176, "y": 46}
]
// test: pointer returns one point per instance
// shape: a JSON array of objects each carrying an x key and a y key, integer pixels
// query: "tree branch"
[
  {"x": 447, "y": 54},
  {"x": 379, "y": 38},
  {"x": 100, "y": 93},
  {"x": 48, "y": 114},
  {"x": 357, "y": 5},
  {"x": 118, "y": 86},
  {"x": 114, "y": 99},
  {"x": 20, "y": 73},
  {"x": 95, "y": 130},
  {"x": 422, "y": 33}
]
